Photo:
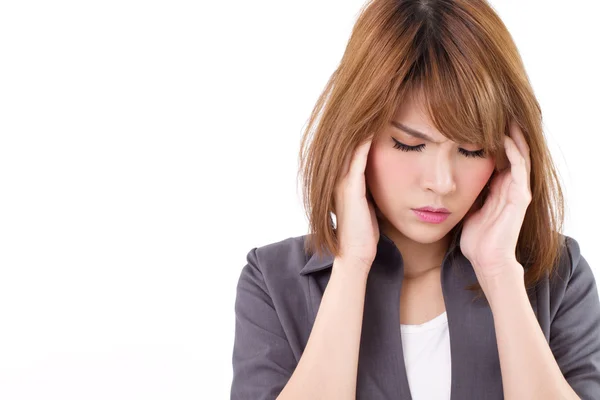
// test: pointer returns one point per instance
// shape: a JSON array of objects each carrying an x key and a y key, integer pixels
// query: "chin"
[
  {"x": 422, "y": 232},
  {"x": 426, "y": 236}
]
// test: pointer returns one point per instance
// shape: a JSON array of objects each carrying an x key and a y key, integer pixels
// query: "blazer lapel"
[
  {"x": 381, "y": 369},
  {"x": 474, "y": 350}
]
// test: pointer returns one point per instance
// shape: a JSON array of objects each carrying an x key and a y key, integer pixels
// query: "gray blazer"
[{"x": 280, "y": 289}]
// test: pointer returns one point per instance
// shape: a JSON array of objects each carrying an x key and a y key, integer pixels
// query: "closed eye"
[{"x": 404, "y": 147}]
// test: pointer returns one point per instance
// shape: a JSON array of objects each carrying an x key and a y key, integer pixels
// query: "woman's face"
[{"x": 435, "y": 174}]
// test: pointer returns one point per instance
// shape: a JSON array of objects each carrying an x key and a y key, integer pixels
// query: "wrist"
[
  {"x": 509, "y": 283},
  {"x": 352, "y": 268}
]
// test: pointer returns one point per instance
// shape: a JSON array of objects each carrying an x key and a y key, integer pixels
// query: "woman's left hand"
[{"x": 489, "y": 235}]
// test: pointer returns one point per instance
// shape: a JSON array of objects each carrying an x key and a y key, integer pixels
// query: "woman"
[{"x": 444, "y": 274}]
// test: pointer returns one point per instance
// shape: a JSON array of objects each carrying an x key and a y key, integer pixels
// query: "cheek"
[
  {"x": 387, "y": 171},
  {"x": 474, "y": 178}
]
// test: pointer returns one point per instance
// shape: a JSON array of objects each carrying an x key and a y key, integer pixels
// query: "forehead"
[
  {"x": 411, "y": 117},
  {"x": 412, "y": 114}
]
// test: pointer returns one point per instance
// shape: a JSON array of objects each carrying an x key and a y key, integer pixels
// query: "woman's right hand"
[{"x": 357, "y": 227}]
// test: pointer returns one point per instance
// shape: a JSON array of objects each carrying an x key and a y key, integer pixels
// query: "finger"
[
  {"x": 518, "y": 167},
  {"x": 519, "y": 139},
  {"x": 517, "y": 135},
  {"x": 359, "y": 162},
  {"x": 346, "y": 165}
]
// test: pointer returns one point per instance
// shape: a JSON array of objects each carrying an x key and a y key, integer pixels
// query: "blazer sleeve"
[
  {"x": 575, "y": 329},
  {"x": 262, "y": 358}
]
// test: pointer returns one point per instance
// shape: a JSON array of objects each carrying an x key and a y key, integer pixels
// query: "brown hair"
[{"x": 461, "y": 57}]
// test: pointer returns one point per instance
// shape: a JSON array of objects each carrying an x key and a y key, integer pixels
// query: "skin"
[{"x": 438, "y": 175}]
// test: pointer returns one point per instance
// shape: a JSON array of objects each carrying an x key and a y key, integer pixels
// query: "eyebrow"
[{"x": 413, "y": 132}]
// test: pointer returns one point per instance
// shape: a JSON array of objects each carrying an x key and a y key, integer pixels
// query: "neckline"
[{"x": 434, "y": 323}]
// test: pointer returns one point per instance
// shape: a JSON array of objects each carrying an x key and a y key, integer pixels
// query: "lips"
[
  {"x": 441, "y": 210},
  {"x": 432, "y": 217}
]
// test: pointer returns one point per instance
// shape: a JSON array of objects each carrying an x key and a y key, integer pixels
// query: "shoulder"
[
  {"x": 286, "y": 256},
  {"x": 570, "y": 263},
  {"x": 572, "y": 280},
  {"x": 278, "y": 263},
  {"x": 568, "y": 311},
  {"x": 574, "y": 255},
  {"x": 580, "y": 274}
]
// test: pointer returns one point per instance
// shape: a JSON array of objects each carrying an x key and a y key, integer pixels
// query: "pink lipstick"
[{"x": 431, "y": 214}]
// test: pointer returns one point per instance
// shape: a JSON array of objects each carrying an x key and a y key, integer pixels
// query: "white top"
[{"x": 427, "y": 357}]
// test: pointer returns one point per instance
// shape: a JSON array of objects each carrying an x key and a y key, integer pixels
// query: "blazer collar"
[
  {"x": 475, "y": 364},
  {"x": 386, "y": 251}
]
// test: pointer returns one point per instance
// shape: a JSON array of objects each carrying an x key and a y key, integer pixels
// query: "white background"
[{"x": 146, "y": 147}]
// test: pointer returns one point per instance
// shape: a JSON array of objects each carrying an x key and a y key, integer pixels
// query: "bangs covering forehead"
[{"x": 465, "y": 99}]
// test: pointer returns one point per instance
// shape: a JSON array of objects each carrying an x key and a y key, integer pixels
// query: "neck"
[{"x": 419, "y": 259}]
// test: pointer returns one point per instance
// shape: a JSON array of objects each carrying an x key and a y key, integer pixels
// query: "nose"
[{"x": 439, "y": 174}]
